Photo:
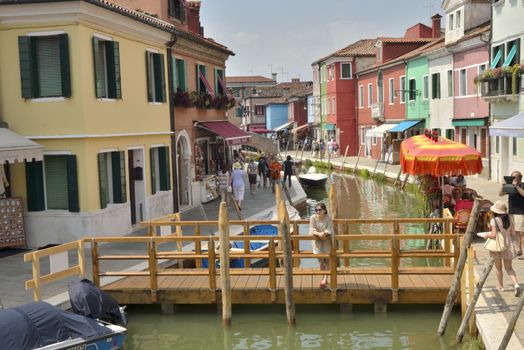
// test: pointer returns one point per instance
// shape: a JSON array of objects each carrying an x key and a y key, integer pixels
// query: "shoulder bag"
[{"x": 495, "y": 244}]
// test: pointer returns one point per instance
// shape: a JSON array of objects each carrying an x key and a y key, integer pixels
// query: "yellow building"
[{"x": 86, "y": 80}]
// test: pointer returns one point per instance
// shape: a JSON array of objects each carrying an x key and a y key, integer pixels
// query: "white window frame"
[
  {"x": 391, "y": 87},
  {"x": 409, "y": 90},
  {"x": 425, "y": 87},
  {"x": 363, "y": 135},
  {"x": 479, "y": 71},
  {"x": 402, "y": 89},
  {"x": 451, "y": 21},
  {"x": 361, "y": 96},
  {"x": 350, "y": 70},
  {"x": 458, "y": 19},
  {"x": 450, "y": 83},
  {"x": 465, "y": 82},
  {"x": 333, "y": 108},
  {"x": 370, "y": 94}
]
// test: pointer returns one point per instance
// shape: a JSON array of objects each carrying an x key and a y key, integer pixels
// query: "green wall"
[{"x": 416, "y": 69}]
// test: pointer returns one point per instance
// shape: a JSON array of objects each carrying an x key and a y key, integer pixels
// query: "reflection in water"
[{"x": 318, "y": 327}]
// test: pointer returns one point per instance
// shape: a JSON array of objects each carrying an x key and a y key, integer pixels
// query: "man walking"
[
  {"x": 288, "y": 170},
  {"x": 516, "y": 205}
]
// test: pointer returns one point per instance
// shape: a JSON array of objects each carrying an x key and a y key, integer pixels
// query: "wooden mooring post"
[
  {"x": 512, "y": 323},
  {"x": 468, "y": 236},
  {"x": 473, "y": 299},
  {"x": 344, "y": 161},
  {"x": 358, "y": 158},
  {"x": 288, "y": 263},
  {"x": 225, "y": 280}
]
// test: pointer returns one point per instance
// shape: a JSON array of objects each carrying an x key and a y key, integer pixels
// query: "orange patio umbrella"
[{"x": 430, "y": 154}]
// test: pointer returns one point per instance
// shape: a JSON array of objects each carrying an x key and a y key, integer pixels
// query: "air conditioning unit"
[{"x": 377, "y": 111}]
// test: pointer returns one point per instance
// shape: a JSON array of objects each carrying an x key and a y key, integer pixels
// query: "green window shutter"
[
  {"x": 113, "y": 69},
  {"x": 99, "y": 69},
  {"x": 117, "y": 177},
  {"x": 215, "y": 74},
  {"x": 152, "y": 165},
  {"x": 72, "y": 184},
  {"x": 149, "y": 62},
  {"x": 64, "y": 65},
  {"x": 56, "y": 182},
  {"x": 26, "y": 66},
  {"x": 163, "y": 165},
  {"x": 103, "y": 180},
  {"x": 160, "y": 81},
  {"x": 34, "y": 176},
  {"x": 123, "y": 177},
  {"x": 174, "y": 73},
  {"x": 181, "y": 70}
]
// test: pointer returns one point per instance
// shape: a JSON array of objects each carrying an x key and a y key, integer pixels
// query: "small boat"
[
  {"x": 254, "y": 246},
  {"x": 96, "y": 323},
  {"x": 313, "y": 180}
]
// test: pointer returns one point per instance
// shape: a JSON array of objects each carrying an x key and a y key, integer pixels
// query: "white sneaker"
[{"x": 517, "y": 290}]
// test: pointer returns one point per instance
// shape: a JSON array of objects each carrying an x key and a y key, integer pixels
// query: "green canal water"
[{"x": 318, "y": 326}]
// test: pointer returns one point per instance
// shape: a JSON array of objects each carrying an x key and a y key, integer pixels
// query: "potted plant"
[
  {"x": 182, "y": 99},
  {"x": 201, "y": 99}
]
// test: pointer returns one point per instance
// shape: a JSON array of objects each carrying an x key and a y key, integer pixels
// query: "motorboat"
[
  {"x": 313, "y": 180},
  {"x": 42, "y": 326}
]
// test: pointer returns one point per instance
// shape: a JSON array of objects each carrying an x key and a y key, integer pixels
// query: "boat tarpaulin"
[{"x": 39, "y": 324}]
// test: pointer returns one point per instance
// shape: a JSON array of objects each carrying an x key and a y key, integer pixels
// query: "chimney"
[
  {"x": 295, "y": 80},
  {"x": 193, "y": 17},
  {"x": 435, "y": 26},
  {"x": 274, "y": 77}
]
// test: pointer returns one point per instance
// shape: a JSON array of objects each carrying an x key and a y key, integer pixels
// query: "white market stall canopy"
[
  {"x": 283, "y": 126},
  {"x": 511, "y": 127},
  {"x": 16, "y": 148},
  {"x": 380, "y": 130}
]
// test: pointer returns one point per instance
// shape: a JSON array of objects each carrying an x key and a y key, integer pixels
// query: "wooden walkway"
[{"x": 366, "y": 287}]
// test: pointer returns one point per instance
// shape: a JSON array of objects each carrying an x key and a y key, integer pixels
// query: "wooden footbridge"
[{"x": 173, "y": 269}]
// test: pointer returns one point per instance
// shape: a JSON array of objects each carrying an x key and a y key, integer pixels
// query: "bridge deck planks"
[{"x": 252, "y": 288}]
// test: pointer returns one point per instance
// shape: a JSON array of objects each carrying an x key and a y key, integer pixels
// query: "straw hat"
[
  {"x": 237, "y": 165},
  {"x": 499, "y": 208}
]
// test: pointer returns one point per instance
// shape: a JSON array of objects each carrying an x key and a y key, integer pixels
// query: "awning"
[
  {"x": 301, "y": 127},
  {"x": 469, "y": 122},
  {"x": 260, "y": 131},
  {"x": 230, "y": 132},
  {"x": 16, "y": 148},
  {"x": 495, "y": 59},
  {"x": 380, "y": 130},
  {"x": 511, "y": 127},
  {"x": 328, "y": 126},
  {"x": 510, "y": 56},
  {"x": 283, "y": 126},
  {"x": 405, "y": 125}
]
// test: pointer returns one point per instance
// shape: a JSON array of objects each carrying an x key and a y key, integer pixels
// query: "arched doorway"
[{"x": 183, "y": 156}]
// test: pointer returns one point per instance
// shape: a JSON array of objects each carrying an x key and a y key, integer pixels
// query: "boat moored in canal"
[{"x": 313, "y": 180}]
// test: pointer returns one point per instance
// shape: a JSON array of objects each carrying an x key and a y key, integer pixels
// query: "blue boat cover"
[
  {"x": 39, "y": 324},
  {"x": 88, "y": 300},
  {"x": 405, "y": 125}
]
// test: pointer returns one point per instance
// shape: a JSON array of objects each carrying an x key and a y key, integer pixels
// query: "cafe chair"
[{"x": 462, "y": 216}]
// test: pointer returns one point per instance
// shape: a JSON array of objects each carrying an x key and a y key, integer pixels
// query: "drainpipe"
[
  {"x": 171, "y": 87},
  {"x": 489, "y": 104}
]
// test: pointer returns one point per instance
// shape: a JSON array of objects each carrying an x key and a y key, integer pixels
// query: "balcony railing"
[{"x": 503, "y": 87}]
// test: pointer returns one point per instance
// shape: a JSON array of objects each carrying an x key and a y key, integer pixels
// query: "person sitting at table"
[
  {"x": 447, "y": 189},
  {"x": 458, "y": 181},
  {"x": 466, "y": 202}
]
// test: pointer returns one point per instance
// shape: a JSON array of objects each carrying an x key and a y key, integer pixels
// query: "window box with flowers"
[
  {"x": 223, "y": 102},
  {"x": 201, "y": 100},
  {"x": 500, "y": 81},
  {"x": 182, "y": 99}
]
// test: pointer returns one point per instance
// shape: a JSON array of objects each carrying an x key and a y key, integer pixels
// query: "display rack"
[
  {"x": 208, "y": 189},
  {"x": 12, "y": 232}
]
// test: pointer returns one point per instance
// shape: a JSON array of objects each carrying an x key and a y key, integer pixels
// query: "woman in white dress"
[
  {"x": 321, "y": 227},
  {"x": 237, "y": 183}
]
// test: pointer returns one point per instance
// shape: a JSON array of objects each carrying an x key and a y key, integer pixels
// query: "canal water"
[{"x": 318, "y": 326}]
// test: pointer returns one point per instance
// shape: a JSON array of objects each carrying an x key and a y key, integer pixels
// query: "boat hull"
[{"x": 312, "y": 181}]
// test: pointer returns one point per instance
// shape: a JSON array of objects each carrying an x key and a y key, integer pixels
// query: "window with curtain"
[
  {"x": 179, "y": 74},
  {"x": 391, "y": 91},
  {"x": 370, "y": 95},
  {"x": 44, "y": 66},
  {"x": 450, "y": 83},
  {"x": 156, "y": 83},
  {"x": 412, "y": 89},
  {"x": 425, "y": 87},
  {"x": 176, "y": 10},
  {"x": 463, "y": 83},
  {"x": 112, "y": 178},
  {"x": 201, "y": 85},
  {"x": 159, "y": 169},
  {"x": 345, "y": 70},
  {"x": 106, "y": 59},
  {"x": 361, "y": 96},
  {"x": 218, "y": 87}
]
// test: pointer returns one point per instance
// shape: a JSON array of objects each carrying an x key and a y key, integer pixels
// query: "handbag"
[{"x": 495, "y": 244}]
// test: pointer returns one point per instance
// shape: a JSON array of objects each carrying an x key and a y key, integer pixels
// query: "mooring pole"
[
  {"x": 358, "y": 158},
  {"x": 468, "y": 236},
  {"x": 225, "y": 281},
  {"x": 473, "y": 300},
  {"x": 512, "y": 324},
  {"x": 288, "y": 264},
  {"x": 344, "y": 161}
]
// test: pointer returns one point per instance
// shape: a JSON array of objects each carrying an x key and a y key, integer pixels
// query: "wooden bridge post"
[
  {"x": 179, "y": 233},
  {"x": 288, "y": 264},
  {"x": 81, "y": 258},
  {"x": 468, "y": 236},
  {"x": 95, "y": 264},
  {"x": 247, "y": 246},
  {"x": 295, "y": 245},
  {"x": 35, "y": 261},
  {"x": 225, "y": 280},
  {"x": 345, "y": 244},
  {"x": 153, "y": 282},
  {"x": 512, "y": 323},
  {"x": 212, "y": 269},
  {"x": 344, "y": 161},
  {"x": 395, "y": 261},
  {"x": 272, "y": 270},
  {"x": 198, "y": 245},
  {"x": 473, "y": 299}
]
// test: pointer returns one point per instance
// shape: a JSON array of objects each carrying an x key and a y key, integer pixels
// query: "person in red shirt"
[
  {"x": 274, "y": 172},
  {"x": 465, "y": 203}
]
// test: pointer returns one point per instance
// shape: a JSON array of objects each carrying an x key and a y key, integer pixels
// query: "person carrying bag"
[{"x": 501, "y": 246}]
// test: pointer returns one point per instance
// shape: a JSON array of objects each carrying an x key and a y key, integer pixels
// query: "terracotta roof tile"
[
  {"x": 364, "y": 47},
  {"x": 248, "y": 79},
  {"x": 390, "y": 40}
]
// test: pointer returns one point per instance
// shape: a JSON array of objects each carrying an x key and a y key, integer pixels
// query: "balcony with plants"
[
  {"x": 501, "y": 83},
  {"x": 202, "y": 100}
]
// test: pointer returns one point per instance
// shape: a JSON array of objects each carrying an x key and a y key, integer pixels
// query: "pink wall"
[
  {"x": 391, "y": 51},
  {"x": 396, "y": 110},
  {"x": 472, "y": 103}
]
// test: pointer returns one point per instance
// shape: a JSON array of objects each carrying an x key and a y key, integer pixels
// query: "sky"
[{"x": 286, "y": 36}]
